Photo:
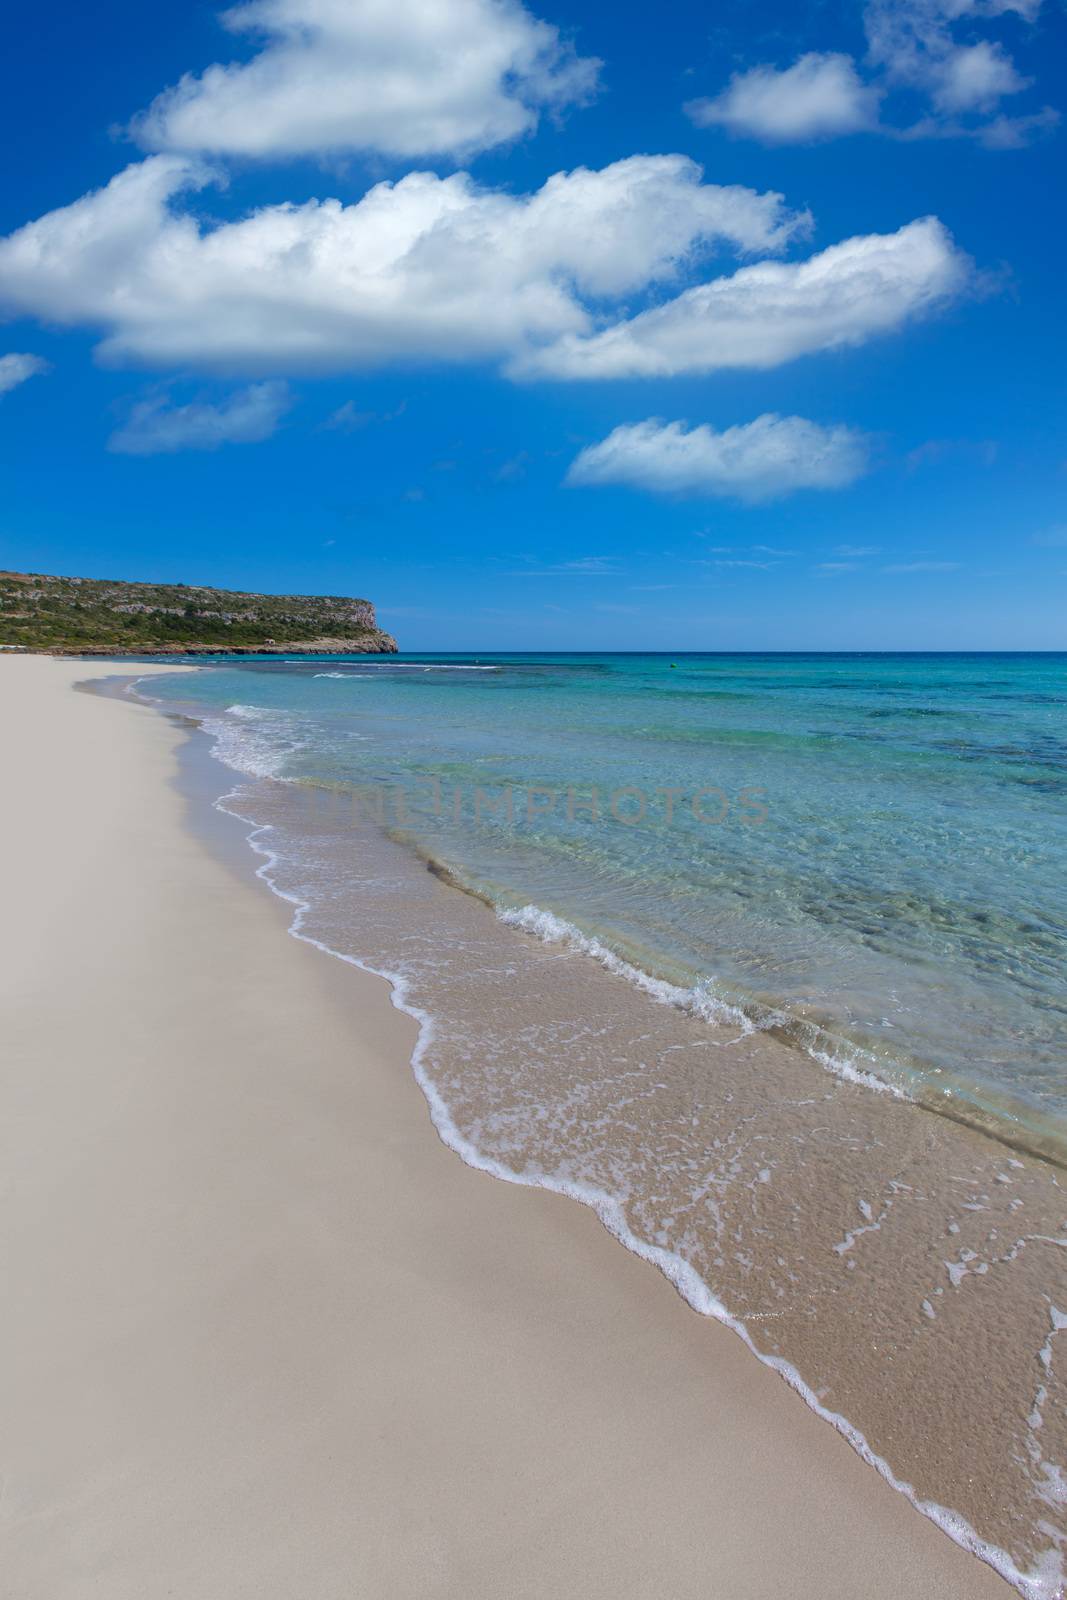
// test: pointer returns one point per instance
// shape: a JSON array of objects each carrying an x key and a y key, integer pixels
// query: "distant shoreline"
[
  {"x": 73, "y": 616},
  {"x": 310, "y": 647}
]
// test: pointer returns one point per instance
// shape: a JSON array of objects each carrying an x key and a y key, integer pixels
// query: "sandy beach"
[{"x": 268, "y": 1337}]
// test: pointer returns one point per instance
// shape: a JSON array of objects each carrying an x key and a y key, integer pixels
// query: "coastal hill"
[{"x": 101, "y": 616}]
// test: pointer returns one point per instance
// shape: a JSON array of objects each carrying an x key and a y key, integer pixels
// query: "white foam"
[
  {"x": 700, "y": 1000},
  {"x": 415, "y": 666},
  {"x": 252, "y": 740},
  {"x": 236, "y": 747},
  {"x": 848, "y": 1072}
]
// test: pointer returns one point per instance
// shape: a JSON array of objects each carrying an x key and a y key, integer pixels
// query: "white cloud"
[
  {"x": 347, "y": 418},
  {"x": 816, "y": 98},
  {"x": 247, "y": 417},
  {"x": 17, "y": 367},
  {"x": 922, "y": 566},
  {"x": 583, "y": 567},
  {"x": 428, "y": 268},
  {"x": 754, "y": 566},
  {"x": 1014, "y": 133},
  {"x": 760, "y": 460},
  {"x": 401, "y": 77},
  {"x": 974, "y": 77},
  {"x": 912, "y": 45},
  {"x": 773, "y": 312}
]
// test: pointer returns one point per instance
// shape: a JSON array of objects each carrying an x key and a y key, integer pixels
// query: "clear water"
[
  {"x": 862, "y": 856},
  {"x": 871, "y": 849}
]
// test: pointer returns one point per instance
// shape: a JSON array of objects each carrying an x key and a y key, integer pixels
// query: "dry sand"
[{"x": 265, "y": 1336}]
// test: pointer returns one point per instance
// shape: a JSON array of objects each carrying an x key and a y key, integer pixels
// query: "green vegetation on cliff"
[{"x": 101, "y": 616}]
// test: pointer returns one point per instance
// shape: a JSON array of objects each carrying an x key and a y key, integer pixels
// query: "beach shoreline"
[{"x": 271, "y": 1336}]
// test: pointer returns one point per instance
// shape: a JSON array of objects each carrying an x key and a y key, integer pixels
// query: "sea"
[{"x": 764, "y": 956}]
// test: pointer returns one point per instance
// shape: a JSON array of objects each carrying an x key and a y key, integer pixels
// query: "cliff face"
[{"x": 93, "y": 616}]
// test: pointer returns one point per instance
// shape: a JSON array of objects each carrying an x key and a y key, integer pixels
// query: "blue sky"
[{"x": 768, "y": 405}]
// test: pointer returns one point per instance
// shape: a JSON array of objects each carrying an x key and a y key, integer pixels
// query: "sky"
[{"x": 547, "y": 327}]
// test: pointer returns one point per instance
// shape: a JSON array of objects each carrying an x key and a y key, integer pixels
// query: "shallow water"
[
  {"x": 906, "y": 1273},
  {"x": 871, "y": 846}
]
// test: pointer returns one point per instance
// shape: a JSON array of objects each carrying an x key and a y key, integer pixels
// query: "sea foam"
[{"x": 700, "y": 1000}]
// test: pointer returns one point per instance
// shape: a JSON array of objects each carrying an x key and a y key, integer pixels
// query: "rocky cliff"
[{"x": 102, "y": 616}]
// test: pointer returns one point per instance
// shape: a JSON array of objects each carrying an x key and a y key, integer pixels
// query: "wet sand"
[{"x": 267, "y": 1336}]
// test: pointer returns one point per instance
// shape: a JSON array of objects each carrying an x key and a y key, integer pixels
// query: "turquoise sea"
[
  {"x": 866, "y": 851},
  {"x": 728, "y": 918}
]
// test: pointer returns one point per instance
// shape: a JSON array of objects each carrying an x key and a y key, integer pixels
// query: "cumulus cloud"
[
  {"x": 974, "y": 77},
  {"x": 758, "y": 460},
  {"x": 17, "y": 367},
  {"x": 156, "y": 428},
  {"x": 400, "y": 77},
  {"x": 428, "y": 268},
  {"x": 773, "y": 312},
  {"x": 818, "y": 97},
  {"x": 912, "y": 45}
]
